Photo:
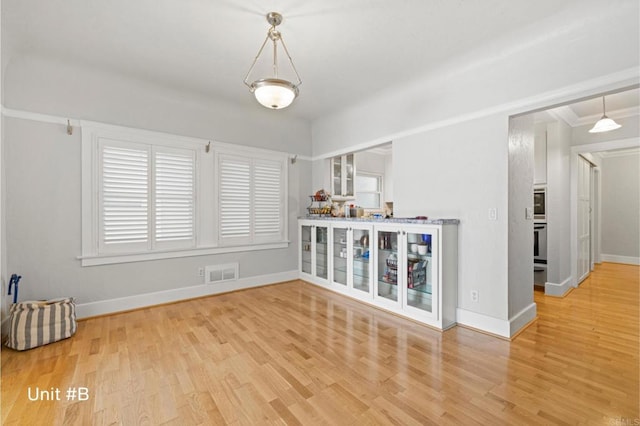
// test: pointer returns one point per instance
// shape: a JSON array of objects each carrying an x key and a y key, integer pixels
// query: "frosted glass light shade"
[
  {"x": 605, "y": 124},
  {"x": 274, "y": 93}
]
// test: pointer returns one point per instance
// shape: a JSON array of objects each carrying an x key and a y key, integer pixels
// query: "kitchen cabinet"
[
  {"x": 351, "y": 267},
  {"x": 410, "y": 268},
  {"x": 343, "y": 175},
  {"x": 314, "y": 253}
]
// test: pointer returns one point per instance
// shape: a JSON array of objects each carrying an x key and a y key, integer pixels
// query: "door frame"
[{"x": 575, "y": 152}]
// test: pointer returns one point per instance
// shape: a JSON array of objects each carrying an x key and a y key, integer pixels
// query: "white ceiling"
[{"x": 343, "y": 50}]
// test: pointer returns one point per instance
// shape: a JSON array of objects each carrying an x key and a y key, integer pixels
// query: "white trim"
[
  {"x": 110, "y": 306},
  {"x": 619, "y": 80},
  {"x": 55, "y": 119},
  {"x": 499, "y": 327},
  {"x": 620, "y": 153},
  {"x": 614, "y": 258},
  {"x": 617, "y": 114},
  {"x": 573, "y": 196},
  {"x": 558, "y": 290},
  {"x": 566, "y": 114},
  {"x": 34, "y": 116},
  {"x": 482, "y": 322},
  {"x": 157, "y": 255},
  {"x": 522, "y": 318}
]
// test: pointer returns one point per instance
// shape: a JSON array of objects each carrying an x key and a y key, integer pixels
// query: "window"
[
  {"x": 146, "y": 197},
  {"x": 149, "y": 195},
  {"x": 369, "y": 190},
  {"x": 251, "y": 199}
]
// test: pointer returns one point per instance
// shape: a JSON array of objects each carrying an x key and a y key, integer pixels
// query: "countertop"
[{"x": 388, "y": 220}]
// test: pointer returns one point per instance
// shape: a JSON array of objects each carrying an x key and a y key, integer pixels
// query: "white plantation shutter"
[
  {"x": 251, "y": 199},
  {"x": 124, "y": 202},
  {"x": 174, "y": 197},
  {"x": 234, "y": 198},
  {"x": 268, "y": 215}
]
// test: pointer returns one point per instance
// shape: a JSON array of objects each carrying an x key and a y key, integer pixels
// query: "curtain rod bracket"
[
  {"x": 208, "y": 147},
  {"x": 69, "y": 128}
]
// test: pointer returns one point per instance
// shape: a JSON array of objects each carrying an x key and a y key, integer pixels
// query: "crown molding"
[
  {"x": 615, "y": 114},
  {"x": 620, "y": 153}
]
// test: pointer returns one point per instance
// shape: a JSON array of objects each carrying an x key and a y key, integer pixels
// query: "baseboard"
[
  {"x": 495, "y": 326},
  {"x": 558, "y": 290},
  {"x": 481, "y": 322},
  {"x": 110, "y": 306},
  {"x": 522, "y": 318},
  {"x": 614, "y": 258}
]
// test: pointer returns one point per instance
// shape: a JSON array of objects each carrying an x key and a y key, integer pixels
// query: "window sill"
[{"x": 108, "y": 259}]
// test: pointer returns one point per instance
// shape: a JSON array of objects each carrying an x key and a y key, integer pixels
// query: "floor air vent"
[{"x": 219, "y": 273}]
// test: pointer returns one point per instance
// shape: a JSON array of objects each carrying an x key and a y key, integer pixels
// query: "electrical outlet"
[
  {"x": 493, "y": 214},
  {"x": 201, "y": 272},
  {"x": 474, "y": 295}
]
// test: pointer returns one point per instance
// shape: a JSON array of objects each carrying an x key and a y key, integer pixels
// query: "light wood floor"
[{"x": 296, "y": 354}]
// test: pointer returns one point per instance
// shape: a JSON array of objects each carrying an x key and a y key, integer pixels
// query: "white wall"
[
  {"x": 42, "y": 177},
  {"x": 48, "y": 86},
  {"x": 388, "y": 178},
  {"x": 558, "y": 204},
  {"x": 452, "y": 172},
  {"x": 4, "y": 298},
  {"x": 621, "y": 207},
  {"x": 370, "y": 162},
  {"x": 43, "y": 211},
  {"x": 455, "y": 122},
  {"x": 520, "y": 234}
]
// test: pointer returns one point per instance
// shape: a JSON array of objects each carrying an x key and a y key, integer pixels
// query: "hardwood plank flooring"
[{"x": 296, "y": 354}]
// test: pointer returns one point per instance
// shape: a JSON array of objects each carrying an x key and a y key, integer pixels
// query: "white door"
[{"x": 584, "y": 218}]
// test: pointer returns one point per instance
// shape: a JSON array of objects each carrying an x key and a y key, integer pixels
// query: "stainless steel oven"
[
  {"x": 540, "y": 204},
  {"x": 540, "y": 243}
]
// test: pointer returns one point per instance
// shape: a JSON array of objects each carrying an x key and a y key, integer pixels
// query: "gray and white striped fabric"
[{"x": 37, "y": 323}]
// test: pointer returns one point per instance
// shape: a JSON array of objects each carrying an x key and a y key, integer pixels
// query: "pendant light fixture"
[
  {"x": 605, "y": 124},
  {"x": 274, "y": 92}
]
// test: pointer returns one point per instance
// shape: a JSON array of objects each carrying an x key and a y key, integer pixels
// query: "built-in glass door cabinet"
[
  {"x": 314, "y": 253},
  {"x": 343, "y": 171},
  {"x": 408, "y": 272},
  {"x": 420, "y": 295},
  {"x": 406, "y": 266},
  {"x": 386, "y": 266},
  {"x": 351, "y": 262}
]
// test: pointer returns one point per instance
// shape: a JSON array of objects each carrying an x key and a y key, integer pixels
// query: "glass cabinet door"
[
  {"x": 322, "y": 259},
  {"x": 419, "y": 271},
  {"x": 305, "y": 247},
  {"x": 336, "y": 164},
  {"x": 340, "y": 256},
  {"x": 361, "y": 254},
  {"x": 349, "y": 175},
  {"x": 387, "y": 265}
]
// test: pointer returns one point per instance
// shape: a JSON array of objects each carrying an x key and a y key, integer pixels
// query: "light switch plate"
[
  {"x": 528, "y": 213},
  {"x": 493, "y": 214}
]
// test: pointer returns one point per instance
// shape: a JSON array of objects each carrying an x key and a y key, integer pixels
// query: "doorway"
[{"x": 584, "y": 217}]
